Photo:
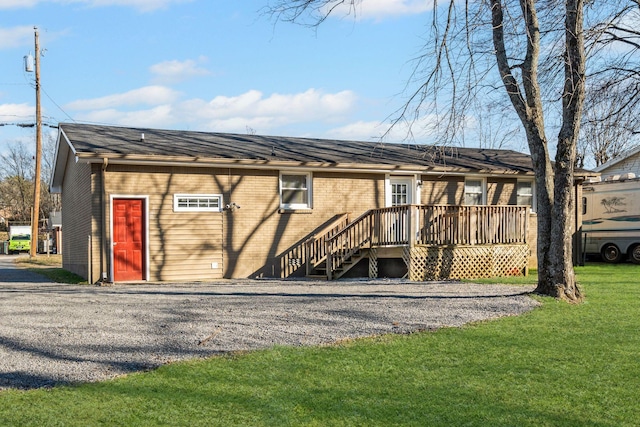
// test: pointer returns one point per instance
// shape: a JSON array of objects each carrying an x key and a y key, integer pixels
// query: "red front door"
[{"x": 128, "y": 239}]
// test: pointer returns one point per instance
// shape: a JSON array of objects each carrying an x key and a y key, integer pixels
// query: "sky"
[{"x": 210, "y": 65}]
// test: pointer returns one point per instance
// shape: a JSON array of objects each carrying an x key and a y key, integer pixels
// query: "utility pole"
[{"x": 35, "y": 218}]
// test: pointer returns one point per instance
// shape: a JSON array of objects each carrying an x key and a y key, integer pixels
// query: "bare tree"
[
  {"x": 604, "y": 136},
  {"x": 49, "y": 202},
  {"x": 463, "y": 37},
  {"x": 16, "y": 182},
  {"x": 535, "y": 52},
  {"x": 611, "y": 123},
  {"x": 16, "y": 185}
]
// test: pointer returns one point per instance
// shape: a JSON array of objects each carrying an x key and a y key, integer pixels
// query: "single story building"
[
  {"x": 622, "y": 166},
  {"x": 167, "y": 205}
]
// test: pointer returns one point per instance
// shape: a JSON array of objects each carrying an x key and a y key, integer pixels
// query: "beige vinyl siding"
[
  {"x": 99, "y": 266},
  {"x": 630, "y": 164},
  {"x": 182, "y": 246}
]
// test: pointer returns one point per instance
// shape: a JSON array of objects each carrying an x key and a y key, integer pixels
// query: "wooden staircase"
[
  {"x": 335, "y": 250},
  {"x": 320, "y": 271},
  {"x": 339, "y": 246}
]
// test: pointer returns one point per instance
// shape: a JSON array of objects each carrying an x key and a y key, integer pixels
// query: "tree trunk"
[
  {"x": 563, "y": 281},
  {"x": 544, "y": 204}
]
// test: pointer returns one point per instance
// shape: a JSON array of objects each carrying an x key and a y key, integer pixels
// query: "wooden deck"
[{"x": 445, "y": 230}]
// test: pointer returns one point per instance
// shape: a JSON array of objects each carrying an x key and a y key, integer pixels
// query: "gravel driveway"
[{"x": 56, "y": 333}]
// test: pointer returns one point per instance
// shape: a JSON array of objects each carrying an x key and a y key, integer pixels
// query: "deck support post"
[{"x": 412, "y": 227}]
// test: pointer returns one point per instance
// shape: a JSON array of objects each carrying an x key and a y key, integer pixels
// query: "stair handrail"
[
  {"x": 315, "y": 246},
  {"x": 341, "y": 246}
]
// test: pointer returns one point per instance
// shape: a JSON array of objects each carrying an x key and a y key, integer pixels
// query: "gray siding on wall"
[{"x": 76, "y": 221}]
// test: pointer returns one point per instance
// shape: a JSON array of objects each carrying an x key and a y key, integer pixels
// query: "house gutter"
[
  {"x": 104, "y": 250},
  {"x": 310, "y": 167}
]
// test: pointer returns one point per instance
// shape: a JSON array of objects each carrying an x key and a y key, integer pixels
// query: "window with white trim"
[
  {"x": 524, "y": 191},
  {"x": 295, "y": 190},
  {"x": 474, "y": 191},
  {"x": 400, "y": 193},
  {"x": 197, "y": 203}
]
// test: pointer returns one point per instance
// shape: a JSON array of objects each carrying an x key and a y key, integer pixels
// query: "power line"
[
  {"x": 56, "y": 104},
  {"x": 28, "y": 125}
]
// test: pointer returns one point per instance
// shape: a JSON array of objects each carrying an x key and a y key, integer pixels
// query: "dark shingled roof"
[{"x": 158, "y": 144}]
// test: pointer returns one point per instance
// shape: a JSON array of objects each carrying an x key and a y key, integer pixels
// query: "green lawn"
[
  {"x": 560, "y": 365},
  {"x": 50, "y": 266}
]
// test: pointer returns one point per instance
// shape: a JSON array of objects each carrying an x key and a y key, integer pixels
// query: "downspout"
[{"x": 104, "y": 249}]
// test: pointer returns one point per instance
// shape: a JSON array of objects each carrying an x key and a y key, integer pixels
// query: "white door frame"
[
  {"x": 413, "y": 195},
  {"x": 145, "y": 198}
]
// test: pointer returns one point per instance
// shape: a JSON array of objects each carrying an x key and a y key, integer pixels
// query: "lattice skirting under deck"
[
  {"x": 465, "y": 262},
  {"x": 373, "y": 263}
]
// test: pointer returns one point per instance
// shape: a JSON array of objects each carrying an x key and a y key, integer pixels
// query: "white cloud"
[
  {"x": 16, "y": 112},
  {"x": 221, "y": 114},
  {"x": 15, "y": 4},
  {"x": 176, "y": 71},
  {"x": 422, "y": 130},
  {"x": 359, "y": 131},
  {"x": 379, "y": 9},
  {"x": 159, "y": 117},
  {"x": 141, "y": 5},
  {"x": 149, "y": 95},
  {"x": 262, "y": 113},
  {"x": 16, "y": 37}
]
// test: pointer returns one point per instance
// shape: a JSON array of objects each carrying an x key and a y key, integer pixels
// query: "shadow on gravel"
[
  {"x": 14, "y": 275},
  {"x": 25, "y": 381},
  {"x": 330, "y": 295},
  {"x": 75, "y": 290}
]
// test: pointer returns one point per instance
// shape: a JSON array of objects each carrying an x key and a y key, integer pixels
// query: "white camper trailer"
[{"x": 611, "y": 218}]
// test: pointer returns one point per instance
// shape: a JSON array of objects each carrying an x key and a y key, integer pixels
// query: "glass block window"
[{"x": 197, "y": 202}]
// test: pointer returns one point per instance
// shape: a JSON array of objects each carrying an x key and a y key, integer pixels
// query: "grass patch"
[
  {"x": 50, "y": 267},
  {"x": 559, "y": 365},
  {"x": 60, "y": 275},
  {"x": 40, "y": 261}
]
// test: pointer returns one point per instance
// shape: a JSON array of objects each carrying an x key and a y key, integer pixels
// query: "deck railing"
[
  {"x": 471, "y": 225},
  {"x": 417, "y": 225},
  {"x": 391, "y": 226}
]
